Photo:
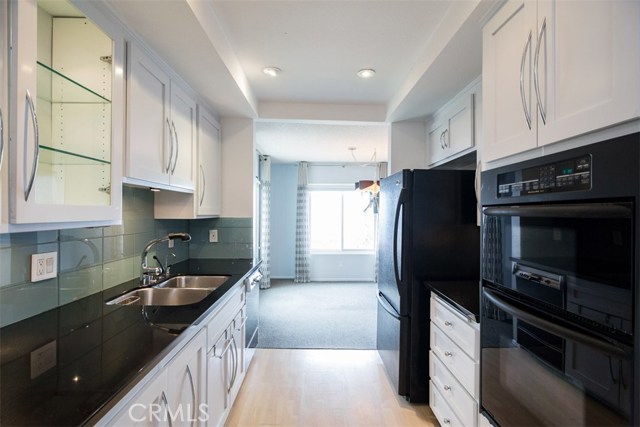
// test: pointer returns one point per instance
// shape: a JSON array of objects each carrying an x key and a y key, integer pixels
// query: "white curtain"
[
  {"x": 302, "y": 272},
  {"x": 265, "y": 221}
]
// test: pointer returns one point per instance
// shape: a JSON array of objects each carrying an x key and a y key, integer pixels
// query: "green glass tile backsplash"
[{"x": 94, "y": 259}]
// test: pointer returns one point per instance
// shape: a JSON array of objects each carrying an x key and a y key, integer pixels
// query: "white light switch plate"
[
  {"x": 43, "y": 359},
  {"x": 213, "y": 236},
  {"x": 44, "y": 266}
]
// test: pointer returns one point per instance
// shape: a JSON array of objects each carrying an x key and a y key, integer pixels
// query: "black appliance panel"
[
  {"x": 536, "y": 370},
  {"x": 576, "y": 257}
]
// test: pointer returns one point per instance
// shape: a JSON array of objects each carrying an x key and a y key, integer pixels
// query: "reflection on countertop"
[{"x": 60, "y": 367}]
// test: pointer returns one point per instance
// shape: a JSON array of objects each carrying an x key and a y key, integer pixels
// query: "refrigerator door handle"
[
  {"x": 401, "y": 201},
  {"x": 384, "y": 303}
]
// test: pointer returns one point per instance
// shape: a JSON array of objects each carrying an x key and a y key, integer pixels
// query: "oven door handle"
[
  {"x": 604, "y": 210},
  {"x": 554, "y": 328}
]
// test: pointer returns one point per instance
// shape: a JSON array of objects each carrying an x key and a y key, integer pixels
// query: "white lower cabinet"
[
  {"x": 454, "y": 368},
  {"x": 148, "y": 408},
  {"x": 225, "y": 358},
  {"x": 186, "y": 388},
  {"x": 175, "y": 396}
]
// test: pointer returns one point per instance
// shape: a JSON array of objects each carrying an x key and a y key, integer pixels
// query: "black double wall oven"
[{"x": 559, "y": 312}]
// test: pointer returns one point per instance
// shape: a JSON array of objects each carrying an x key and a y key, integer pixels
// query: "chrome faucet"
[{"x": 150, "y": 275}]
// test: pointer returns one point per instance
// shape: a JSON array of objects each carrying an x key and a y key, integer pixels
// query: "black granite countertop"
[
  {"x": 463, "y": 295},
  {"x": 98, "y": 349}
]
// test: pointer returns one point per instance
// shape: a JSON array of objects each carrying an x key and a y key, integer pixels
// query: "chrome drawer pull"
[
  {"x": 447, "y": 388},
  {"x": 447, "y": 323},
  {"x": 446, "y": 421},
  {"x": 448, "y": 353}
]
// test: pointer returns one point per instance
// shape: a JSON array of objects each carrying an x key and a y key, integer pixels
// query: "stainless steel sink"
[
  {"x": 161, "y": 296},
  {"x": 177, "y": 290},
  {"x": 193, "y": 282}
]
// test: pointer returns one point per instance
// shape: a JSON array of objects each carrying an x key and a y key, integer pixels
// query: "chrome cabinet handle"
[
  {"x": 1, "y": 138},
  {"x": 204, "y": 184},
  {"x": 448, "y": 353},
  {"x": 536, "y": 81},
  {"x": 175, "y": 162},
  {"x": 171, "y": 148},
  {"x": 447, "y": 323},
  {"x": 166, "y": 405},
  {"x": 244, "y": 320},
  {"x": 446, "y": 421},
  {"x": 36, "y": 156},
  {"x": 444, "y": 139},
  {"x": 447, "y": 388},
  {"x": 193, "y": 392},
  {"x": 233, "y": 358},
  {"x": 527, "y": 113}
]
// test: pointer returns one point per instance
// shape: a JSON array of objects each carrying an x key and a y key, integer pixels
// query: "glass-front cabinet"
[{"x": 66, "y": 83}]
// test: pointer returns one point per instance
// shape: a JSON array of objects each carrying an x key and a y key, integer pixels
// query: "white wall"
[
  {"x": 343, "y": 267},
  {"x": 284, "y": 180},
  {"x": 407, "y": 146},
  {"x": 238, "y": 169}
]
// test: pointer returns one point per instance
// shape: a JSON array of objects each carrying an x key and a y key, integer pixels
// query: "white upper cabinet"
[
  {"x": 160, "y": 127},
  {"x": 554, "y": 69},
  {"x": 205, "y": 201},
  {"x": 209, "y": 201},
  {"x": 65, "y": 126},
  {"x": 452, "y": 130}
]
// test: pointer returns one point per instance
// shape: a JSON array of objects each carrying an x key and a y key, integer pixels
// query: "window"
[{"x": 338, "y": 221}]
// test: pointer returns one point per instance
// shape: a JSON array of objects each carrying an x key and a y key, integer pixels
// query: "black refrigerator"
[{"x": 427, "y": 232}]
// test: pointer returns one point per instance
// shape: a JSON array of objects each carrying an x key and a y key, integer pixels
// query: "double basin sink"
[{"x": 177, "y": 290}]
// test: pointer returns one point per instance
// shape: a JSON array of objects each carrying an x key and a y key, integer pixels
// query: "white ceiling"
[{"x": 424, "y": 51}]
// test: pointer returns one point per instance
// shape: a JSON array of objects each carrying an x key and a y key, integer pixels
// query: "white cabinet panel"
[
  {"x": 554, "y": 70},
  {"x": 452, "y": 132},
  {"x": 186, "y": 388},
  {"x": 148, "y": 126},
  {"x": 205, "y": 201},
  {"x": 589, "y": 62},
  {"x": 507, "y": 73},
  {"x": 149, "y": 408},
  {"x": 66, "y": 101},
  {"x": 183, "y": 124},
  {"x": 161, "y": 127},
  {"x": 209, "y": 200}
]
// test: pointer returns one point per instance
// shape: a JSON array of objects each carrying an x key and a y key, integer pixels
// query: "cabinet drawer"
[
  {"x": 464, "y": 406},
  {"x": 457, "y": 361},
  {"x": 443, "y": 412},
  {"x": 463, "y": 332},
  {"x": 223, "y": 317}
]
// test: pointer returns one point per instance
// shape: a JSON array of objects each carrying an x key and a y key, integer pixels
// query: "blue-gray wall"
[
  {"x": 93, "y": 259},
  {"x": 284, "y": 182}
]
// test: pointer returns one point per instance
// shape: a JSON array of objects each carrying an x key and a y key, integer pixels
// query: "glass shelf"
[
  {"x": 55, "y": 156},
  {"x": 55, "y": 87}
]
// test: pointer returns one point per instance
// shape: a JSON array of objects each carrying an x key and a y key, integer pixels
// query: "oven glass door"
[
  {"x": 539, "y": 372},
  {"x": 576, "y": 257}
]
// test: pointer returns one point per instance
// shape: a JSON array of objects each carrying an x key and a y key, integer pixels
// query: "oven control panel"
[{"x": 567, "y": 175}]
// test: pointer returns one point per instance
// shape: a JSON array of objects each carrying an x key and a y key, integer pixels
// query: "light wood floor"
[{"x": 324, "y": 388}]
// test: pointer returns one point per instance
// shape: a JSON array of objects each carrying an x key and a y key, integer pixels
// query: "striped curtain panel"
[
  {"x": 265, "y": 221},
  {"x": 381, "y": 173},
  {"x": 302, "y": 273}
]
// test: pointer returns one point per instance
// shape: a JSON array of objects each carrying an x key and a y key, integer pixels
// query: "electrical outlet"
[
  {"x": 43, "y": 359},
  {"x": 213, "y": 236},
  {"x": 171, "y": 243},
  {"x": 44, "y": 266}
]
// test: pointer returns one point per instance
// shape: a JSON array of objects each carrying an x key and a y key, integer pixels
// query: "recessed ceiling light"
[
  {"x": 366, "y": 73},
  {"x": 271, "y": 71}
]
